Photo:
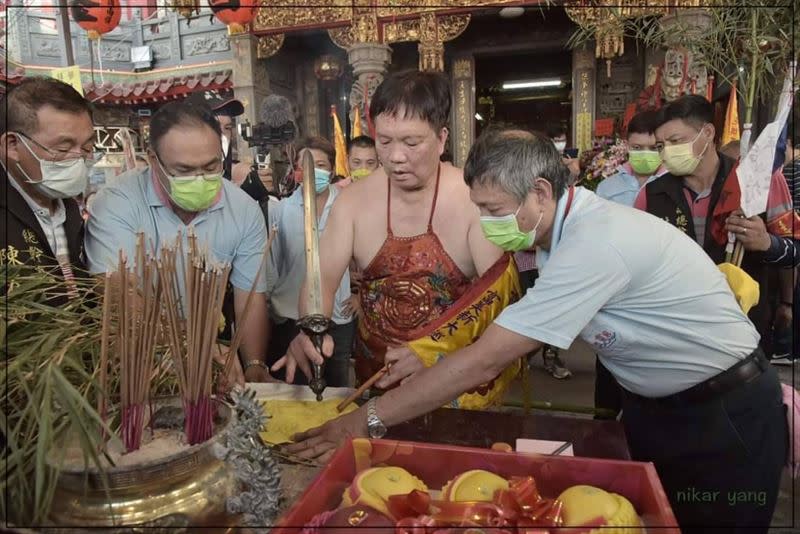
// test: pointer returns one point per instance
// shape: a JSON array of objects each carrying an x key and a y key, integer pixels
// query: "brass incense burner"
[{"x": 188, "y": 488}]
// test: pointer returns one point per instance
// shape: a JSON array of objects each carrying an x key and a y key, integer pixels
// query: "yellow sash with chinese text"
[{"x": 463, "y": 324}]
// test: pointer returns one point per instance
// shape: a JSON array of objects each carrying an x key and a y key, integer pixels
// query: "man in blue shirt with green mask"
[
  {"x": 643, "y": 165},
  {"x": 182, "y": 188},
  {"x": 287, "y": 268}
]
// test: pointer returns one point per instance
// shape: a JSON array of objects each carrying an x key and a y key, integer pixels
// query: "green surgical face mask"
[
  {"x": 505, "y": 233},
  {"x": 680, "y": 159},
  {"x": 359, "y": 174},
  {"x": 644, "y": 162},
  {"x": 193, "y": 193}
]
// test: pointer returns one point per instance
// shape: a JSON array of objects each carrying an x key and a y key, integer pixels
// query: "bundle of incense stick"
[
  {"x": 132, "y": 300},
  {"x": 191, "y": 327}
]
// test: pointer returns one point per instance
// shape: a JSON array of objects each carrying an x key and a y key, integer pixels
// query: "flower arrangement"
[{"x": 605, "y": 159}]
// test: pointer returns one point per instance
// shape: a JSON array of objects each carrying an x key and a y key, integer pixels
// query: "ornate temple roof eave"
[
  {"x": 156, "y": 90},
  {"x": 135, "y": 88},
  {"x": 183, "y": 70}
]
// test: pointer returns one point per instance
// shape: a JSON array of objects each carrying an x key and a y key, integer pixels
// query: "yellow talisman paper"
[{"x": 289, "y": 417}]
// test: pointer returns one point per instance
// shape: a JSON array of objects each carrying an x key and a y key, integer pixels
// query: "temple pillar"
[
  {"x": 250, "y": 85},
  {"x": 250, "y": 79},
  {"x": 369, "y": 62},
  {"x": 584, "y": 70},
  {"x": 311, "y": 112},
  {"x": 462, "y": 122}
]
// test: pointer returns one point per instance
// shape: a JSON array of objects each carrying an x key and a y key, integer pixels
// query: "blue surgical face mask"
[{"x": 322, "y": 179}]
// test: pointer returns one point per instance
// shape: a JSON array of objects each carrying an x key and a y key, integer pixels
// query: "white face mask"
[
  {"x": 560, "y": 146},
  {"x": 226, "y": 145},
  {"x": 60, "y": 179}
]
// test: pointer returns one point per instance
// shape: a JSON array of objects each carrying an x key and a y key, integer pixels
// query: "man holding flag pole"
[{"x": 705, "y": 196}]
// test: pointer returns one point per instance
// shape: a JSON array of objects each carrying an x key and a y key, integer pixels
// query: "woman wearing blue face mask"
[{"x": 288, "y": 267}]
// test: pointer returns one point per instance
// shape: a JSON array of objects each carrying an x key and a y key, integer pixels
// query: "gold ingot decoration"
[
  {"x": 328, "y": 67},
  {"x": 268, "y": 45}
]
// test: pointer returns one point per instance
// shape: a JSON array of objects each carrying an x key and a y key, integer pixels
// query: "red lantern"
[
  {"x": 236, "y": 14},
  {"x": 96, "y": 16}
]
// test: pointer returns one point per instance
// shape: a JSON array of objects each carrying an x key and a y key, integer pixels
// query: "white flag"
[{"x": 755, "y": 168}]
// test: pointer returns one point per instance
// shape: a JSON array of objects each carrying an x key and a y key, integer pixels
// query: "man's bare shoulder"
[
  {"x": 454, "y": 191},
  {"x": 362, "y": 193}
]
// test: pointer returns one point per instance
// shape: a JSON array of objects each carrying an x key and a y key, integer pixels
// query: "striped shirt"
[
  {"x": 53, "y": 229},
  {"x": 792, "y": 173},
  {"x": 525, "y": 260},
  {"x": 778, "y": 202}
]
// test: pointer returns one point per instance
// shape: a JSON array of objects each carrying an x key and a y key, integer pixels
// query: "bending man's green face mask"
[{"x": 505, "y": 233}]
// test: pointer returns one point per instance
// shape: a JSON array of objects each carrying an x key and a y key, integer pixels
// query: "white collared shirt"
[
  {"x": 288, "y": 259},
  {"x": 232, "y": 229},
  {"x": 52, "y": 224}
]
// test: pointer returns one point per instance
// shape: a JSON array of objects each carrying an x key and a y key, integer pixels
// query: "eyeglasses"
[
  {"x": 62, "y": 156},
  {"x": 191, "y": 175}
]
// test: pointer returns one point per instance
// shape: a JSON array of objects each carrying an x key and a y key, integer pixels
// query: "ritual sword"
[{"x": 314, "y": 324}]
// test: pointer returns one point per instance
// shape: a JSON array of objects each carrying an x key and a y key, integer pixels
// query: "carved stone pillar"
[
  {"x": 462, "y": 131},
  {"x": 250, "y": 81},
  {"x": 584, "y": 70},
  {"x": 310, "y": 112},
  {"x": 369, "y": 62}
]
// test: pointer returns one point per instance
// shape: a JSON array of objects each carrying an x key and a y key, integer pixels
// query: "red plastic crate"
[{"x": 437, "y": 464}]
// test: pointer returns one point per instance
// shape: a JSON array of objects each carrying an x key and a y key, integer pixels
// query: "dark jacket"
[
  {"x": 666, "y": 200},
  {"x": 22, "y": 240}
]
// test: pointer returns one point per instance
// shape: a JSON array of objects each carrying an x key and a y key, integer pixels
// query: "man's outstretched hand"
[{"x": 320, "y": 443}]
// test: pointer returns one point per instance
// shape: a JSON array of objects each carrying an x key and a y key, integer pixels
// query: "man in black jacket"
[
  {"x": 698, "y": 195},
  {"x": 46, "y": 151}
]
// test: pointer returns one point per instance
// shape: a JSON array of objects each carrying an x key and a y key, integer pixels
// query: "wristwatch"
[
  {"x": 375, "y": 426},
  {"x": 255, "y": 363}
]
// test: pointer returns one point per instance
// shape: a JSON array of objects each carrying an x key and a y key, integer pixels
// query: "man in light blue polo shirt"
[
  {"x": 643, "y": 165},
  {"x": 700, "y": 400},
  {"x": 182, "y": 188},
  {"x": 288, "y": 269}
]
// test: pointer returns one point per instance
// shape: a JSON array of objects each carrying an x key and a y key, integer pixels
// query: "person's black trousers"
[
  {"x": 719, "y": 461},
  {"x": 607, "y": 392},
  {"x": 337, "y": 368}
]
